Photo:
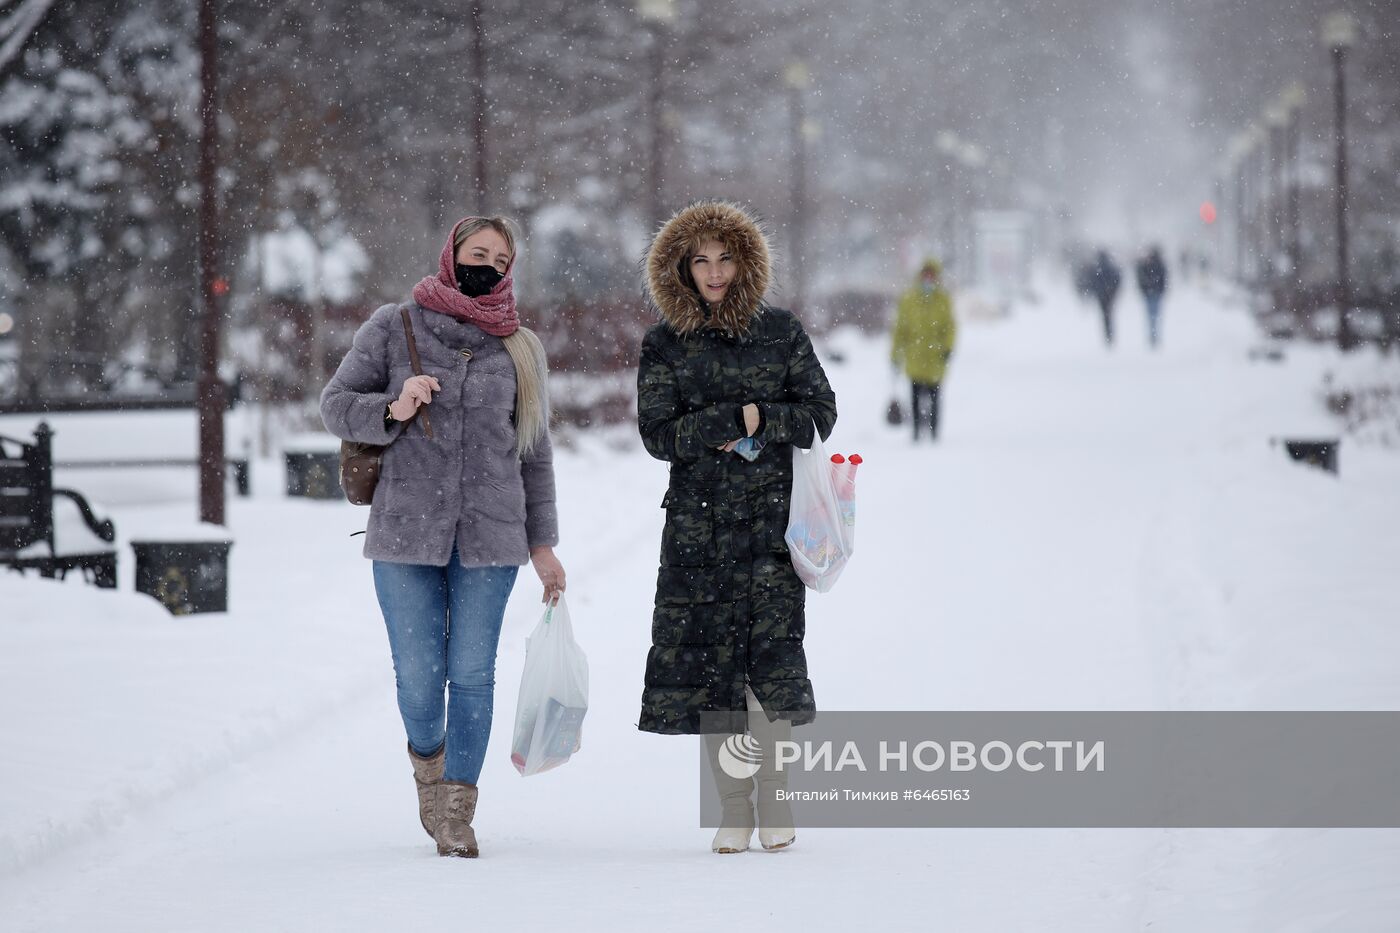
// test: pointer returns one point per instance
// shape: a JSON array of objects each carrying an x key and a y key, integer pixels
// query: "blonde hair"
[
  {"x": 502, "y": 225},
  {"x": 525, "y": 349},
  {"x": 531, "y": 389}
]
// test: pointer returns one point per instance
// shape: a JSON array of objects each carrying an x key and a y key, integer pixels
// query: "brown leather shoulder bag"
[{"x": 360, "y": 463}]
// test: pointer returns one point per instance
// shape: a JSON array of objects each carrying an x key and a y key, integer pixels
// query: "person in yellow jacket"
[{"x": 924, "y": 332}]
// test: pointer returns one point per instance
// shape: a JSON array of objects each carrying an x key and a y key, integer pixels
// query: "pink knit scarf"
[{"x": 493, "y": 312}]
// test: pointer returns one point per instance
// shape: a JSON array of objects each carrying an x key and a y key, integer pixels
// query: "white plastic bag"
[
  {"x": 821, "y": 531},
  {"x": 553, "y": 695}
]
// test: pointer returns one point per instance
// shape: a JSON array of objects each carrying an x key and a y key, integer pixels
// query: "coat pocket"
[
  {"x": 692, "y": 623},
  {"x": 776, "y": 534},
  {"x": 418, "y": 499},
  {"x": 688, "y": 538},
  {"x": 770, "y": 523},
  {"x": 687, "y": 586}
]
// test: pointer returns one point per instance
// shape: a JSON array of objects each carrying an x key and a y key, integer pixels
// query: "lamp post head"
[
  {"x": 796, "y": 75},
  {"x": 658, "y": 12},
  {"x": 1339, "y": 30},
  {"x": 1294, "y": 96},
  {"x": 1238, "y": 148}
]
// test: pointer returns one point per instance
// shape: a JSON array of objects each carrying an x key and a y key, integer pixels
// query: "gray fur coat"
[{"x": 466, "y": 484}]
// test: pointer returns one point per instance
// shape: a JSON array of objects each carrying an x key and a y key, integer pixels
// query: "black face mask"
[{"x": 475, "y": 281}]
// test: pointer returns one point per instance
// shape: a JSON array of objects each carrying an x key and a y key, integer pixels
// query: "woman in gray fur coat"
[{"x": 456, "y": 514}]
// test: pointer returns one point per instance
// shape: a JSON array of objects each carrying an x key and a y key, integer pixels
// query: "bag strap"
[{"x": 422, "y": 411}]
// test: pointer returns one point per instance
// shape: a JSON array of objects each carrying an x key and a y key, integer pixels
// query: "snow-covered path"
[{"x": 1094, "y": 531}]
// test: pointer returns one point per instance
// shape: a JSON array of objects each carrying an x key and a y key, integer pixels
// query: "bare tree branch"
[{"x": 17, "y": 28}]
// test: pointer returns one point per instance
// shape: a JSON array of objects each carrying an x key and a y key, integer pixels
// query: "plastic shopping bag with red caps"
[
  {"x": 821, "y": 531},
  {"x": 553, "y": 695}
]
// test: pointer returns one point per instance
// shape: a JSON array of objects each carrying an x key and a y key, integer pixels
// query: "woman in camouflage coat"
[{"x": 722, "y": 366}]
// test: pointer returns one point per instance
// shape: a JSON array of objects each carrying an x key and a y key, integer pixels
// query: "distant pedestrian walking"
[
  {"x": 924, "y": 333},
  {"x": 1104, "y": 281},
  {"x": 1152, "y": 281}
]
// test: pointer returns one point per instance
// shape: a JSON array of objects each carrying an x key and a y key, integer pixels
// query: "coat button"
[{"x": 466, "y": 354}]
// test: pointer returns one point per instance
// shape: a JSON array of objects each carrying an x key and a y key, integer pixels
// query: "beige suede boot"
[
  {"x": 775, "y": 830},
  {"x": 736, "y": 819},
  {"x": 427, "y": 774},
  {"x": 456, "y": 806}
]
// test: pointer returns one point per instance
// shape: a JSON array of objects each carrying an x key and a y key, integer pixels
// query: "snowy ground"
[{"x": 1094, "y": 531}]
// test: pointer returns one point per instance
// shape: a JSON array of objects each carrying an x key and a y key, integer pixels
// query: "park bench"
[
  {"x": 27, "y": 496},
  {"x": 239, "y": 466},
  {"x": 174, "y": 397}
]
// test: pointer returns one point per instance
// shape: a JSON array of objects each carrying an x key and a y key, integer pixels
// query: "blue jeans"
[
  {"x": 1154, "y": 315},
  {"x": 444, "y": 624}
]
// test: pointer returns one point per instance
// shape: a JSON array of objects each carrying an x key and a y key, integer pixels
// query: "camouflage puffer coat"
[{"x": 729, "y": 606}]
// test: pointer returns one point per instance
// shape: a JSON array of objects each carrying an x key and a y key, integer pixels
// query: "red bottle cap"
[
  {"x": 857, "y": 459},
  {"x": 837, "y": 458}
]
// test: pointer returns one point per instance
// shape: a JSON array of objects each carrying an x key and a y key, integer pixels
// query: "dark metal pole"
[
  {"x": 1266, "y": 201},
  {"x": 799, "y": 203},
  {"x": 1241, "y": 224},
  {"x": 479, "y": 107},
  {"x": 1343, "y": 264},
  {"x": 1255, "y": 213},
  {"x": 1219, "y": 245},
  {"x": 211, "y": 390},
  {"x": 1276, "y": 198},
  {"x": 1268, "y": 193},
  {"x": 1295, "y": 246},
  {"x": 656, "y": 157}
]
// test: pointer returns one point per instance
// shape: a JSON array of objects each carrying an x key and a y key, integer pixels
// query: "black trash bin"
[
  {"x": 1318, "y": 453},
  {"x": 313, "y": 474},
  {"x": 184, "y": 576}
]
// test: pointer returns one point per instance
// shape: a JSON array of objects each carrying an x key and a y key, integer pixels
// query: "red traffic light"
[
  {"x": 220, "y": 286},
  {"x": 1208, "y": 212}
]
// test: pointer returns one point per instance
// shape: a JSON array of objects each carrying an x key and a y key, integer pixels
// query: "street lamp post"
[
  {"x": 1218, "y": 246},
  {"x": 657, "y": 15},
  {"x": 1246, "y": 229},
  {"x": 1294, "y": 97},
  {"x": 1276, "y": 121},
  {"x": 949, "y": 144},
  {"x": 1237, "y": 161},
  {"x": 1231, "y": 172},
  {"x": 964, "y": 191},
  {"x": 796, "y": 78},
  {"x": 479, "y": 109},
  {"x": 1339, "y": 35},
  {"x": 1259, "y": 184},
  {"x": 212, "y": 287},
  {"x": 973, "y": 159},
  {"x": 1241, "y": 224},
  {"x": 1264, "y": 197}
]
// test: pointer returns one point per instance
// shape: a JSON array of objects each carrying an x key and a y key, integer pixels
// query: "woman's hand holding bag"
[
  {"x": 553, "y": 695},
  {"x": 821, "y": 531},
  {"x": 360, "y": 464}
]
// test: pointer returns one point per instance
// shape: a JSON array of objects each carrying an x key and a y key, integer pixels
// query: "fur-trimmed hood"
[{"x": 678, "y": 303}]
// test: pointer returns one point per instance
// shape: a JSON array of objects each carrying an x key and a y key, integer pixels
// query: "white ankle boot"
[
  {"x": 730, "y": 840},
  {"x": 775, "y": 830},
  {"x": 774, "y": 819},
  {"x": 735, "y": 795}
]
